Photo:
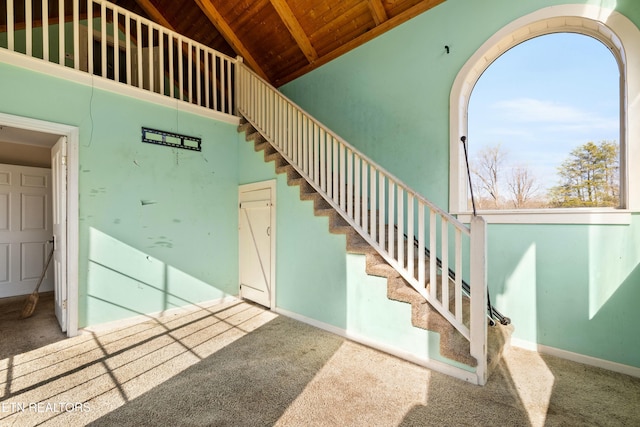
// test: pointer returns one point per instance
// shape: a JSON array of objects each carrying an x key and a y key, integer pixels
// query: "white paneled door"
[
  {"x": 59, "y": 178},
  {"x": 256, "y": 243},
  {"x": 25, "y": 229}
]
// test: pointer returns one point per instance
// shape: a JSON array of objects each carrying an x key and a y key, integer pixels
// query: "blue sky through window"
[{"x": 543, "y": 98}]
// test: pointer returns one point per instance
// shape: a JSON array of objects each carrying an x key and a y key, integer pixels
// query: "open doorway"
[{"x": 40, "y": 155}]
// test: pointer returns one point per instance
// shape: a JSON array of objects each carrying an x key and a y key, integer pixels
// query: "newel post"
[
  {"x": 238, "y": 83},
  {"x": 478, "y": 279}
]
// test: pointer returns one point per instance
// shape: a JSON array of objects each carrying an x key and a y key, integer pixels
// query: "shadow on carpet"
[{"x": 250, "y": 382}]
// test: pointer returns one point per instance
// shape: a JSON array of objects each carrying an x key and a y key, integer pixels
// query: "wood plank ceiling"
[{"x": 280, "y": 39}]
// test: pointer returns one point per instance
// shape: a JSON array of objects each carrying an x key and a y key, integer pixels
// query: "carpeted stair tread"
[
  {"x": 357, "y": 245},
  {"x": 294, "y": 178},
  {"x": 381, "y": 270},
  {"x": 244, "y": 126}
]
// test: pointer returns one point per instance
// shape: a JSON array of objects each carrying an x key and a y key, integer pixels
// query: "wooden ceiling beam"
[
  {"x": 154, "y": 13},
  {"x": 229, "y": 35},
  {"x": 378, "y": 11},
  {"x": 296, "y": 30},
  {"x": 364, "y": 38}
]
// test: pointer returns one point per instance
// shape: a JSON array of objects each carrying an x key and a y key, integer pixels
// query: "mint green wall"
[
  {"x": 158, "y": 225},
  {"x": 575, "y": 288},
  {"x": 570, "y": 287}
]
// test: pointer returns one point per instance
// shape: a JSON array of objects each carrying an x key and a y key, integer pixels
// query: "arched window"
[
  {"x": 544, "y": 126},
  {"x": 555, "y": 200}
]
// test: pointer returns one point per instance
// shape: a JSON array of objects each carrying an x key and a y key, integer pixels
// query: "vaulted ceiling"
[{"x": 280, "y": 39}]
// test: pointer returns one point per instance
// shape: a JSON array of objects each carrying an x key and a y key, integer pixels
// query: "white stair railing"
[
  {"x": 380, "y": 207},
  {"x": 108, "y": 41}
]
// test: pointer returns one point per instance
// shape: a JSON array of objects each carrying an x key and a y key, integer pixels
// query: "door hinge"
[
  {"x": 64, "y": 160},
  {"x": 64, "y": 304}
]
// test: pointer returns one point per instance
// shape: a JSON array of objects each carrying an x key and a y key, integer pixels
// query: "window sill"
[{"x": 604, "y": 216}]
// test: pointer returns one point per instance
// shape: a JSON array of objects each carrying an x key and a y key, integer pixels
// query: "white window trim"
[{"x": 622, "y": 37}]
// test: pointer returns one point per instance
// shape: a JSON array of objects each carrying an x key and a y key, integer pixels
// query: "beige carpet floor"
[{"x": 236, "y": 364}]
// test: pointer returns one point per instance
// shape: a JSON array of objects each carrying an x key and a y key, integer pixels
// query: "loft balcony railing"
[{"x": 108, "y": 41}]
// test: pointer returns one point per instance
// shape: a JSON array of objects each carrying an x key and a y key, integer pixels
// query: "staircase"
[
  {"x": 412, "y": 235},
  {"x": 453, "y": 345}
]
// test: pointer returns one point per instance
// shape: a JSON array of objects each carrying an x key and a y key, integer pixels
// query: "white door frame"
[
  {"x": 270, "y": 184},
  {"x": 73, "y": 139}
]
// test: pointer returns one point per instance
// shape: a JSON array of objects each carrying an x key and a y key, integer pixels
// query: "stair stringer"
[{"x": 453, "y": 345}]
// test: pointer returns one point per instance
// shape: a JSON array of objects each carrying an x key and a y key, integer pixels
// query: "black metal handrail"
[
  {"x": 492, "y": 313},
  {"x": 465, "y": 286}
]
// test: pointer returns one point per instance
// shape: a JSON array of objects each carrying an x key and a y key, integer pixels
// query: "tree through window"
[{"x": 544, "y": 126}]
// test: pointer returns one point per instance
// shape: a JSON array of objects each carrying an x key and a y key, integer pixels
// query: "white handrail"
[
  {"x": 380, "y": 207},
  {"x": 104, "y": 39}
]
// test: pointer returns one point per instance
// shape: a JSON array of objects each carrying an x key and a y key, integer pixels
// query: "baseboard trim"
[
  {"x": 577, "y": 357},
  {"x": 134, "y": 320},
  {"x": 432, "y": 364}
]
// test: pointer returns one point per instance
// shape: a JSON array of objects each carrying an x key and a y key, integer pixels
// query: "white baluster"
[
  {"x": 300, "y": 152},
  {"x": 139, "y": 51},
  {"x": 365, "y": 197},
  {"x": 28, "y": 17},
  {"x": 199, "y": 75},
  {"x": 444, "y": 238},
  {"x": 433, "y": 253},
  {"x": 229, "y": 86},
  {"x": 421, "y": 260},
  {"x": 400, "y": 233},
  {"x": 280, "y": 119},
  {"x": 391, "y": 196},
  {"x": 103, "y": 36},
  {"x": 11, "y": 26},
  {"x": 329, "y": 148},
  {"x": 373, "y": 206},
  {"x": 381, "y": 209},
  {"x": 336, "y": 171},
  {"x": 76, "y": 34},
  {"x": 316, "y": 160},
  {"x": 45, "y": 29},
  {"x": 190, "y": 60},
  {"x": 214, "y": 82},
  {"x": 306, "y": 141},
  {"x": 161, "y": 71},
  {"x": 323, "y": 163},
  {"x": 411, "y": 236},
  {"x": 172, "y": 84},
  {"x": 207, "y": 79},
  {"x": 458, "y": 281},
  {"x": 90, "y": 36},
  {"x": 116, "y": 47},
  {"x": 357, "y": 177},
  {"x": 349, "y": 183},
  {"x": 290, "y": 131},
  {"x": 61, "y": 37}
]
